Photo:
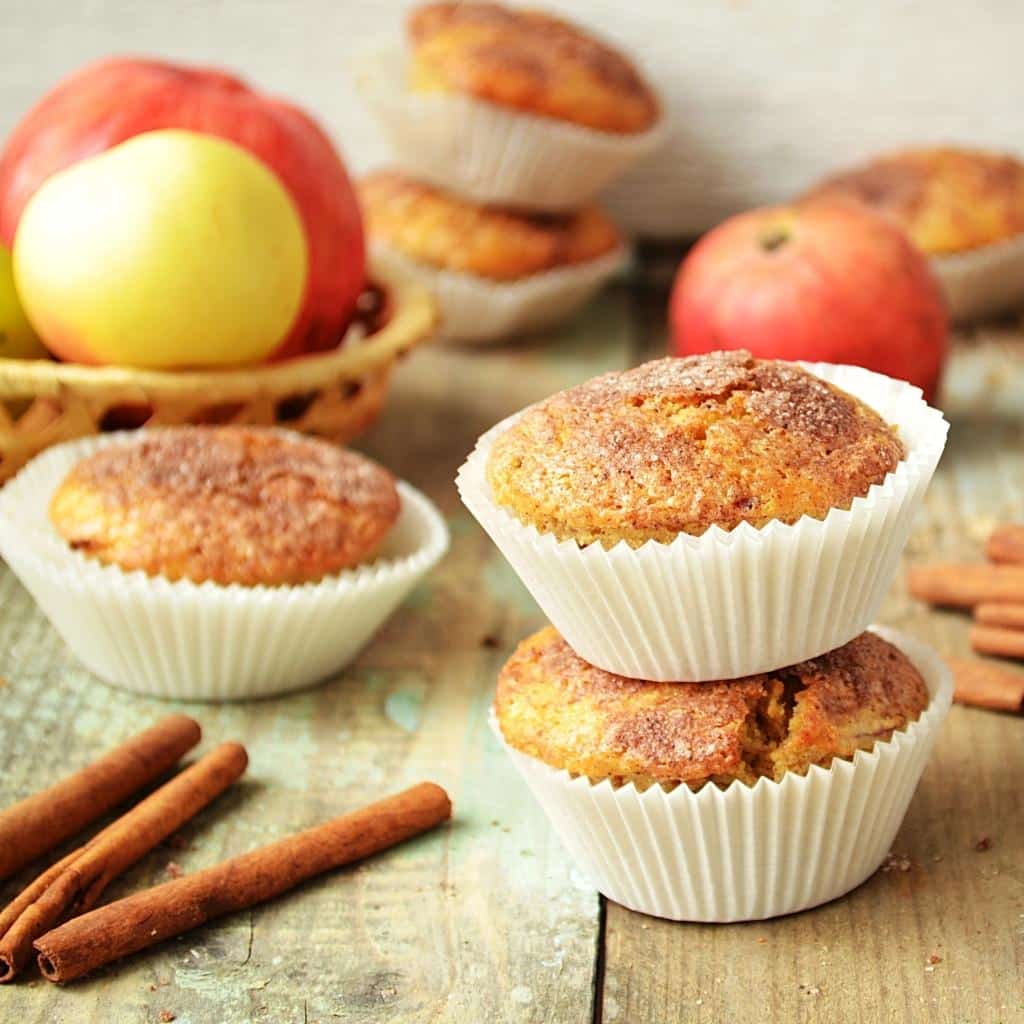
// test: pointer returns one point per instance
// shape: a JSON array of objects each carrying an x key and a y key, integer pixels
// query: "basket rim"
[{"x": 414, "y": 315}]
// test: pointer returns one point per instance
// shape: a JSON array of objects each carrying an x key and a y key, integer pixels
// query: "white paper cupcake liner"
[
  {"x": 488, "y": 153},
  {"x": 727, "y": 604},
  {"x": 982, "y": 282},
  {"x": 190, "y": 641},
  {"x": 474, "y": 310},
  {"x": 745, "y": 852}
]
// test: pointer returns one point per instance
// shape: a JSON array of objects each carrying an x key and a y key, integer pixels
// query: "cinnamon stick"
[
  {"x": 966, "y": 585},
  {"x": 40, "y": 822},
  {"x": 1006, "y": 643},
  {"x": 984, "y": 685},
  {"x": 75, "y": 884},
  {"x": 1008, "y": 615},
  {"x": 146, "y": 918},
  {"x": 1006, "y": 544}
]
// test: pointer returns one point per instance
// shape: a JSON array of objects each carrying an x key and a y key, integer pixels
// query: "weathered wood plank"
[
  {"x": 865, "y": 958},
  {"x": 483, "y": 922}
]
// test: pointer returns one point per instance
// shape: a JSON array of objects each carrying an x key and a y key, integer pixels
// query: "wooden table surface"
[{"x": 487, "y": 920}]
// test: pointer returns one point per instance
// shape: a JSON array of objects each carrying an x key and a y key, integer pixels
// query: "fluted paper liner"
[
  {"x": 727, "y": 604},
  {"x": 983, "y": 281},
  {"x": 745, "y": 852},
  {"x": 490, "y": 153},
  {"x": 475, "y": 310},
  {"x": 191, "y": 641}
]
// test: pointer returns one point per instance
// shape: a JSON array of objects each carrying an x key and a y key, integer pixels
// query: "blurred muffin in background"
[
  {"x": 495, "y": 271},
  {"x": 963, "y": 208},
  {"x": 509, "y": 107},
  {"x": 949, "y": 200},
  {"x": 529, "y": 61}
]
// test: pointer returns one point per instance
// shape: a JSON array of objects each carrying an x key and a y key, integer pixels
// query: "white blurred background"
[{"x": 764, "y": 95}]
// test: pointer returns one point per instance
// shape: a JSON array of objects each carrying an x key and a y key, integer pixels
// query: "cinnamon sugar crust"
[
  {"x": 678, "y": 445},
  {"x": 442, "y": 230},
  {"x": 554, "y": 706},
  {"x": 947, "y": 199},
  {"x": 529, "y": 61},
  {"x": 227, "y": 505}
]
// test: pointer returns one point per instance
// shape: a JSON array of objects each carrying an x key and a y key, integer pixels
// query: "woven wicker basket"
[{"x": 336, "y": 395}]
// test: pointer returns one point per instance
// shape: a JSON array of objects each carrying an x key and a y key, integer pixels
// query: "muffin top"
[
  {"x": 678, "y": 445},
  {"x": 554, "y": 706},
  {"x": 228, "y": 505},
  {"x": 442, "y": 230},
  {"x": 529, "y": 61},
  {"x": 948, "y": 200}
]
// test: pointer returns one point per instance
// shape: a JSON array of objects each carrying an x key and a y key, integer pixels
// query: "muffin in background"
[
  {"x": 227, "y": 505},
  {"x": 508, "y": 106},
  {"x": 725, "y": 801},
  {"x": 681, "y": 445},
  {"x": 947, "y": 199},
  {"x": 530, "y": 61},
  {"x": 496, "y": 272},
  {"x": 556, "y": 707},
  {"x": 962, "y": 207}
]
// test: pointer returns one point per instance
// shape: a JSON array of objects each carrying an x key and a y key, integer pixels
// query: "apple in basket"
[
  {"x": 17, "y": 339},
  {"x": 826, "y": 283},
  {"x": 107, "y": 103},
  {"x": 171, "y": 249}
]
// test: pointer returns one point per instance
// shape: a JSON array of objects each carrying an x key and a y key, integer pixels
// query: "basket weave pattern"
[{"x": 337, "y": 394}]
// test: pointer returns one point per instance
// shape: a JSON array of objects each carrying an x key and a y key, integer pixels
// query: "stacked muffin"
[
  {"x": 505, "y": 125},
  {"x": 709, "y": 725}
]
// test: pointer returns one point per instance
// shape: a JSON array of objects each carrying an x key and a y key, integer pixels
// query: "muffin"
[
  {"x": 215, "y": 563},
  {"x": 227, "y": 505},
  {"x": 441, "y": 230},
  {"x": 964, "y": 208},
  {"x": 811, "y": 769},
  {"x": 556, "y": 707},
  {"x": 509, "y": 107},
  {"x": 681, "y": 445},
  {"x": 711, "y": 517},
  {"x": 948, "y": 200},
  {"x": 529, "y": 61},
  {"x": 494, "y": 271}
]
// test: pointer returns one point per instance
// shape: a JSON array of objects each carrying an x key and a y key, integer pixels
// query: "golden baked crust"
[
  {"x": 554, "y": 706},
  {"x": 678, "y": 445},
  {"x": 226, "y": 504},
  {"x": 948, "y": 200},
  {"x": 442, "y": 230},
  {"x": 529, "y": 61}
]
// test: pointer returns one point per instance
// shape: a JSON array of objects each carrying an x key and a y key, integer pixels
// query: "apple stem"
[{"x": 774, "y": 238}]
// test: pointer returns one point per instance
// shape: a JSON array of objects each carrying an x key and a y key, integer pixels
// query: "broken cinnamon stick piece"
[
  {"x": 75, "y": 884},
  {"x": 966, "y": 585},
  {"x": 40, "y": 822},
  {"x": 984, "y": 685},
  {"x": 1006, "y": 643},
  {"x": 1006, "y": 544},
  {"x": 146, "y": 918},
  {"x": 1009, "y": 615}
]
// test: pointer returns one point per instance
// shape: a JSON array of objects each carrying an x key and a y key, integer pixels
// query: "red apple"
[
  {"x": 826, "y": 283},
  {"x": 108, "y": 102}
]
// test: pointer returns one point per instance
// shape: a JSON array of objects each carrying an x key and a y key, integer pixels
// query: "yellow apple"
[
  {"x": 172, "y": 249},
  {"x": 17, "y": 339}
]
